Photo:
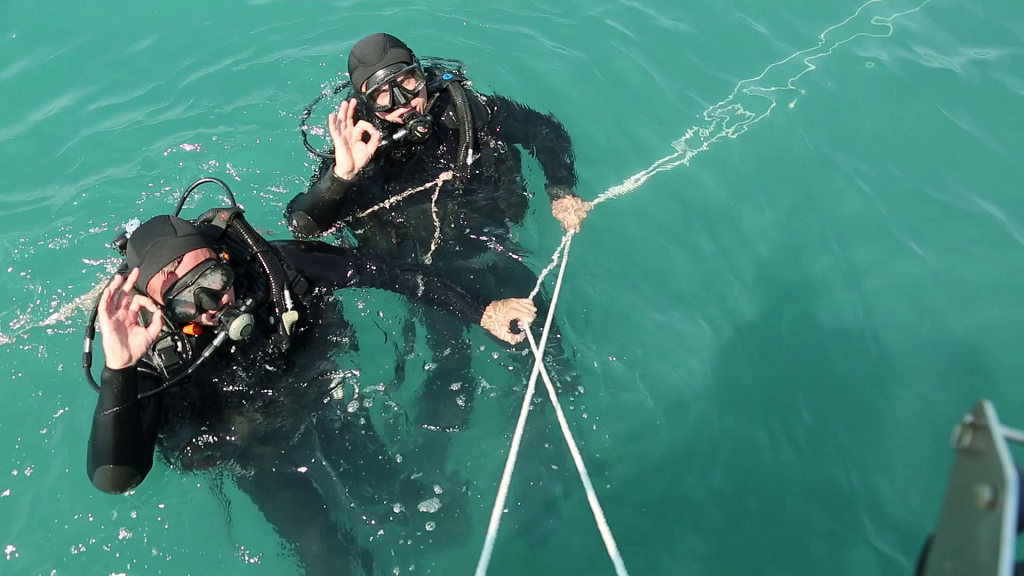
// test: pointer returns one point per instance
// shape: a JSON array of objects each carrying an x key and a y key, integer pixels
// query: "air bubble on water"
[{"x": 430, "y": 506}]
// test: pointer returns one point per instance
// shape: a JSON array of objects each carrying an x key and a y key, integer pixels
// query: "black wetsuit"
[
  {"x": 270, "y": 416},
  {"x": 476, "y": 250}
]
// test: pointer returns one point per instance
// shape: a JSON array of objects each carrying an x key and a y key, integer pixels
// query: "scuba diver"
[
  {"x": 423, "y": 122},
  {"x": 217, "y": 347},
  {"x": 424, "y": 169}
]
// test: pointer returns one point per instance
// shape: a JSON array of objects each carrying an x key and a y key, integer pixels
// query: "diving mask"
[
  {"x": 393, "y": 87},
  {"x": 199, "y": 291}
]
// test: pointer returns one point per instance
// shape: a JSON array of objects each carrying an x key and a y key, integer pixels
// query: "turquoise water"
[{"x": 774, "y": 340}]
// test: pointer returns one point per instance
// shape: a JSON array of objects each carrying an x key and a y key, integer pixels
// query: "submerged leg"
[
  {"x": 445, "y": 402},
  {"x": 387, "y": 490},
  {"x": 294, "y": 506},
  {"x": 404, "y": 350}
]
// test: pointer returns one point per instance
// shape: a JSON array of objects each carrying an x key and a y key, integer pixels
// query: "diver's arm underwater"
[
  {"x": 123, "y": 435},
  {"x": 335, "y": 267},
  {"x": 123, "y": 431}
]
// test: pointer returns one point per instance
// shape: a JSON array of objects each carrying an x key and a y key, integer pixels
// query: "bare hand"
[
  {"x": 570, "y": 211},
  {"x": 125, "y": 341},
  {"x": 351, "y": 154},
  {"x": 498, "y": 317}
]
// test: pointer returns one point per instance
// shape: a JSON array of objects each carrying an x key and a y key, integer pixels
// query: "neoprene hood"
[
  {"x": 160, "y": 241},
  {"x": 374, "y": 53}
]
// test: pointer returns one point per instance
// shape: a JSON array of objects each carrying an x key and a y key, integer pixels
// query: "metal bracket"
[{"x": 977, "y": 526}]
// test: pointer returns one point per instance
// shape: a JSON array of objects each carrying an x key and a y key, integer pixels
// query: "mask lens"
[
  {"x": 382, "y": 98},
  {"x": 199, "y": 291},
  {"x": 411, "y": 82}
]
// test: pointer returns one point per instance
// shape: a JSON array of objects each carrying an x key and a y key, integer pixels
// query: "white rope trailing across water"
[
  {"x": 729, "y": 118},
  {"x": 720, "y": 115},
  {"x": 588, "y": 486},
  {"x": 554, "y": 262},
  {"x": 740, "y": 110},
  {"x": 517, "y": 437}
]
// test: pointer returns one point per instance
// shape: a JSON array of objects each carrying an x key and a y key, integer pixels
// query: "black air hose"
[
  {"x": 264, "y": 253},
  {"x": 464, "y": 120}
]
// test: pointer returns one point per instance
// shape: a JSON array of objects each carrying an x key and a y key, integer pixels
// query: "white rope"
[
  {"x": 635, "y": 181},
  {"x": 588, "y": 486},
  {"x": 429, "y": 258},
  {"x": 727, "y": 119},
  {"x": 436, "y": 183},
  {"x": 554, "y": 262},
  {"x": 745, "y": 106},
  {"x": 396, "y": 199},
  {"x": 513, "y": 453}
]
